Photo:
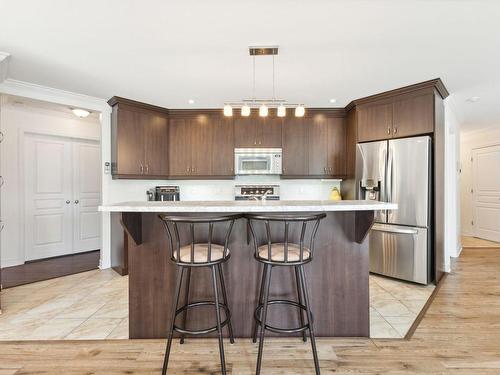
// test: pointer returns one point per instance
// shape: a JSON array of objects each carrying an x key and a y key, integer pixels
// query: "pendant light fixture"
[{"x": 263, "y": 105}]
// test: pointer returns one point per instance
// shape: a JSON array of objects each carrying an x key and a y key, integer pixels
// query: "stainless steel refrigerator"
[{"x": 398, "y": 171}]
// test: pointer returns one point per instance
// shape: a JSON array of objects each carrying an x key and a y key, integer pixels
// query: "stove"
[{"x": 257, "y": 192}]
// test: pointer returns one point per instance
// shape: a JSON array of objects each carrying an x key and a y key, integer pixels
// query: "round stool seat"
[
  {"x": 201, "y": 253},
  {"x": 278, "y": 252}
]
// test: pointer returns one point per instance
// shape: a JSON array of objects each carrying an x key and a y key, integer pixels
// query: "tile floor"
[{"x": 94, "y": 305}]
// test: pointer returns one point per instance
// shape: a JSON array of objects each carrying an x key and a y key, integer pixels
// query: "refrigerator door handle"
[{"x": 380, "y": 228}]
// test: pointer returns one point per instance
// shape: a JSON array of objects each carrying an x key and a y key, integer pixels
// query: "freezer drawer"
[{"x": 399, "y": 252}]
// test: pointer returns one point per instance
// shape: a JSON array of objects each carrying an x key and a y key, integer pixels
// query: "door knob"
[
  {"x": 68, "y": 202},
  {"x": 77, "y": 201}
]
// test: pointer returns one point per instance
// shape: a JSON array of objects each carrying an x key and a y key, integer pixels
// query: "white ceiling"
[{"x": 167, "y": 52}]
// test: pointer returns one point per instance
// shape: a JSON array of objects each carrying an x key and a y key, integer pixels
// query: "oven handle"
[{"x": 380, "y": 228}]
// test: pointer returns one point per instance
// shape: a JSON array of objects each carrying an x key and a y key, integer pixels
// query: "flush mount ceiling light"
[
  {"x": 263, "y": 105},
  {"x": 81, "y": 113},
  {"x": 333, "y": 100},
  {"x": 191, "y": 101}
]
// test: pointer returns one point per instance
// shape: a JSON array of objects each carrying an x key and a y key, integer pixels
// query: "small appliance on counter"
[
  {"x": 164, "y": 193},
  {"x": 257, "y": 192},
  {"x": 248, "y": 161},
  {"x": 335, "y": 195}
]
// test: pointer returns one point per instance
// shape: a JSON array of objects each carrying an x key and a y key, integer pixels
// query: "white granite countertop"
[{"x": 249, "y": 206}]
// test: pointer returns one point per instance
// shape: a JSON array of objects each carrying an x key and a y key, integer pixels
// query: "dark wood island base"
[{"x": 337, "y": 277}]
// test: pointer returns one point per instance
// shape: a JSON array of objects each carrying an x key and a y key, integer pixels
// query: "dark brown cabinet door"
[
  {"x": 156, "y": 143},
  {"x": 374, "y": 122},
  {"x": 129, "y": 143},
  {"x": 222, "y": 146},
  {"x": 295, "y": 147},
  {"x": 269, "y": 132},
  {"x": 180, "y": 147},
  {"x": 413, "y": 116},
  {"x": 336, "y": 156},
  {"x": 317, "y": 145},
  {"x": 245, "y": 132},
  {"x": 201, "y": 146}
]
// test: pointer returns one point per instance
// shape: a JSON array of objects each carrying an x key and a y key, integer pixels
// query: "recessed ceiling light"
[
  {"x": 333, "y": 100},
  {"x": 473, "y": 99},
  {"x": 82, "y": 113},
  {"x": 191, "y": 101}
]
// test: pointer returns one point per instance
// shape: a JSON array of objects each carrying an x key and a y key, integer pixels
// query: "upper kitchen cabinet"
[
  {"x": 139, "y": 140},
  {"x": 295, "y": 147},
  {"x": 255, "y": 131},
  {"x": 374, "y": 122},
  {"x": 314, "y": 146},
  {"x": 223, "y": 146},
  {"x": 201, "y": 145},
  {"x": 402, "y": 114},
  {"x": 336, "y": 147},
  {"x": 413, "y": 115}
]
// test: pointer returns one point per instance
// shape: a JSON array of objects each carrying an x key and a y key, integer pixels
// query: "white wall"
[
  {"x": 15, "y": 120},
  {"x": 452, "y": 183},
  {"x": 468, "y": 141}
]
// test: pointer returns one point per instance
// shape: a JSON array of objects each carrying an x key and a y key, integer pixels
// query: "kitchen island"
[{"x": 337, "y": 276}]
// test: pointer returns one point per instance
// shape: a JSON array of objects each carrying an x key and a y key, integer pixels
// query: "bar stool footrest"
[
  {"x": 205, "y": 330},
  {"x": 278, "y": 329}
]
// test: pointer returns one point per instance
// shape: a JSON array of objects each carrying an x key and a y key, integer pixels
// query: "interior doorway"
[
  {"x": 51, "y": 169},
  {"x": 62, "y": 194},
  {"x": 486, "y": 193}
]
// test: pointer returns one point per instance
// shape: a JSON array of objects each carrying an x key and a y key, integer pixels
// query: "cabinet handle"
[
  {"x": 187, "y": 169},
  {"x": 255, "y": 142},
  {"x": 77, "y": 201},
  {"x": 1, "y": 181},
  {"x": 1, "y": 225},
  {"x": 192, "y": 169},
  {"x": 1, "y": 137},
  {"x": 260, "y": 142},
  {"x": 395, "y": 130},
  {"x": 389, "y": 130},
  {"x": 147, "y": 168},
  {"x": 142, "y": 169},
  {"x": 68, "y": 202}
]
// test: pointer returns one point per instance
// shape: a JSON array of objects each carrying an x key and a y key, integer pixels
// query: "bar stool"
[
  {"x": 198, "y": 254},
  {"x": 285, "y": 253}
]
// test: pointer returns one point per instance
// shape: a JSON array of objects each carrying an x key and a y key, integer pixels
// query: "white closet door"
[
  {"x": 486, "y": 192},
  {"x": 48, "y": 193},
  {"x": 86, "y": 196}
]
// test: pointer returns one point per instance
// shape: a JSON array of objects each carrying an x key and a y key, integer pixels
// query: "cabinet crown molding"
[
  {"x": 119, "y": 100},
  {"x": 436, "y": 83}
]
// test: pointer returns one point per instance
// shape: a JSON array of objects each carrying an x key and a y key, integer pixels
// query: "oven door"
[{"x": 253, "y": 164}]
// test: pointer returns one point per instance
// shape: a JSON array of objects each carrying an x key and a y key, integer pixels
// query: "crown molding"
[
  {"x": 119, "y": 100},
  {"x": 49, "y": 94},
  {"x": 436, "y": 84},
  {"x": 4, "y": 65}
]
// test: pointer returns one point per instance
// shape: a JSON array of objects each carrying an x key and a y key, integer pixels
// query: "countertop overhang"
[{"x": 249, "y": 206}]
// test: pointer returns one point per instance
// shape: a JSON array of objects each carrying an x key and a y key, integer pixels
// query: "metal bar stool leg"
[
  {"x": 224, "y": 301},
  {"x": 261, "y": 293},
  {"x": 186, "y": 301},
  {"x": 178, "y": 284},
  {"x": 299, "y": 295},
  {"x": 267, "y": 284},
  {"x": 309, "y": 318},
  {"x": 219, "y": 328}
]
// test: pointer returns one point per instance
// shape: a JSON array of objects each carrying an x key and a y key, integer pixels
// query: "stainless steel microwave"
[{"x": 257, "y": 161}]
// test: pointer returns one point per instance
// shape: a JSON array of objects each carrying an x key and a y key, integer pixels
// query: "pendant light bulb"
[
  {"x": 300, "y": 111},
  {"x": 228, "y": 110},
  {"x": 263, "y": 110},
  {"x": 245, "y": 110},
  {"x": 281, "y": 111}
]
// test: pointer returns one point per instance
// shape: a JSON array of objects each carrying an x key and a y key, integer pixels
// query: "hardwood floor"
[
  {"x": 460, "y": 334},
  {"x": 478, "y": 242},
  {"x": 49, "y": 268}
]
